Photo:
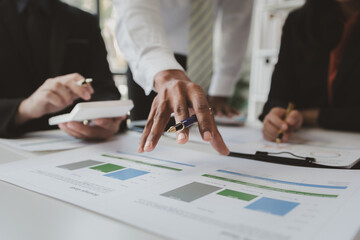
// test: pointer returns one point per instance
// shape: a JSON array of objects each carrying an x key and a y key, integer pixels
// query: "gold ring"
[{"x": 86, "y": 122}]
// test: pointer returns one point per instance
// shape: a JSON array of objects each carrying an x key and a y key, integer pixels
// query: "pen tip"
[{"x": 171, "y": 130}]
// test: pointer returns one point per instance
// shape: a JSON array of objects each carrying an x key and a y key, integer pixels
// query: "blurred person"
[
  {"x": 178, "y": 51},
  {"x": 318, "y": 70},
  {"x": 47, "y": 47}
]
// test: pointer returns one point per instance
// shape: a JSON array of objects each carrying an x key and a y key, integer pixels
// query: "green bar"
[
  {"x": 107, "y": 167},
  {"x": 270, "y": 188},
  {"x": 141, "y": 162},
  {"x": 237, "y": 195}
]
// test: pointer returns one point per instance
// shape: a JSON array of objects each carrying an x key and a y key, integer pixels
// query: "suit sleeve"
[
  {"x": 8, "y": 109},
  {"x": 345, "y": 119},
  {"x": 98, "y": 68},
  {"x": 281, "y": 90}
]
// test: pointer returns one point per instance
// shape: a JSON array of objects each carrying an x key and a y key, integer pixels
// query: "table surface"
[
  {"x": 28, "y": 215},
  {"x": 32, "y": 216}
]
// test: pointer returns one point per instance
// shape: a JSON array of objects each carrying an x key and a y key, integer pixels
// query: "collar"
[{"x": 44, "y": 4}]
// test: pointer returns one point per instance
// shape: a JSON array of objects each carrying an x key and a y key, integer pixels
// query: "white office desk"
[{"x": 25, "y": 215}]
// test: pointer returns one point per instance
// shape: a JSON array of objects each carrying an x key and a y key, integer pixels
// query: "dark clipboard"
[{"x": 300, "y": 162}]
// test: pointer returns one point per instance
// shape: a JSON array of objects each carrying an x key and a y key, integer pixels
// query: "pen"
[
  {"x": 183, "y": 124},
  {"x": 281, "y": 132},
  {"x": 84, "y": 81}
]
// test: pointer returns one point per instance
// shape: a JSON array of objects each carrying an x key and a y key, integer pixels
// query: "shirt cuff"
[
  {"x": 222, "y": 85},
  {"x": 151, "y": 66}
]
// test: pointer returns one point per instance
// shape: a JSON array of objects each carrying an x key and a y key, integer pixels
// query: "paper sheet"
[
  {"x": 51, "y": 140},
  {"x": 184, "y": 194},
  {"x": 332, "y": 148},
  {"x": 329, "y": 148},
  {"x": 230, "y": 134}
]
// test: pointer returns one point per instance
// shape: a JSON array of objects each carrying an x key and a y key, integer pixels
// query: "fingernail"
[
  {"x": 284, "y": 126},
  {"x": 147, "y": 146},
  {"x": 140, "y": 150},
  {"x": 180, "y": 136},
  {"x": 207, "y": 136}
]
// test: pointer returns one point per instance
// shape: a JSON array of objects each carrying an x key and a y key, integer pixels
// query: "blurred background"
[{"x": 253, "y": 86}]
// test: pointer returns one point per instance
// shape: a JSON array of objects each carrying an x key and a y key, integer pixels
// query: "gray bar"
[
  {"x": 78, "y": 165},
  {"x": 191, "y": 192}
]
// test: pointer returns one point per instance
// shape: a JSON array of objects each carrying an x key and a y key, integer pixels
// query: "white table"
[{"x": 25, "y": 215}]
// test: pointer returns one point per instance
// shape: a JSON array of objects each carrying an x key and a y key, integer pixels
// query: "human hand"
[
  {"x": 274, "y": 122},
  {"x": 220, "y": 107},
  {"x": 176, "y": 93},
  {"x": 99, "y": 129},
  {"x": 54, "y": 95}
]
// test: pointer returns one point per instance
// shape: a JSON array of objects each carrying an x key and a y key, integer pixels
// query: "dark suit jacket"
[
  {"x": 76, "y": 46},
  {"x": 301, "y": 74}
]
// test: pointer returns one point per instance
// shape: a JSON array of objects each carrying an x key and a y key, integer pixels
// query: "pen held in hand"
[
  {"x": 183, "y": 124},
  {"x": 281, "y": 132},
  {"x": 84, "y": 81}
]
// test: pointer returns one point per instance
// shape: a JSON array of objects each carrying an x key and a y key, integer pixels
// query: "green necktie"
[{"x": 200, "y": 55}]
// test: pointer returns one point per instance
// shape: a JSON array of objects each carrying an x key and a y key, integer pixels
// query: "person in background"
[
  {"x": 46, "y": 48},
  {"x": 161, "y": 39},
  {"x": 318, "y": 70}
]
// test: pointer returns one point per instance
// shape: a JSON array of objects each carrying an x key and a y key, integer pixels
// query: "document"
[
  {"x": 238, "y": 120},
  {"x": 44, "y": 141},
  {"x": 178, "y": 193},
  {"x": 230, "y": 134},
  {"x": 330, "y": 148}
]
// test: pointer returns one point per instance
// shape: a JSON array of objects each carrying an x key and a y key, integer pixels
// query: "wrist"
[
  {"x": 165, "y": 77},
  {"x": 22, "y": 115},
  {"x": 310, "y": 117}
]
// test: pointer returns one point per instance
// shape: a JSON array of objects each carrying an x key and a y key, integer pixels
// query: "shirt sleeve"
[
  {"x": 141, "y": 36},
  {"x": 231, "y": 34}
]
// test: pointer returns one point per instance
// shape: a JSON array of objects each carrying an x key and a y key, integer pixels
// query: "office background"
[{"x": 253, "y": 86}]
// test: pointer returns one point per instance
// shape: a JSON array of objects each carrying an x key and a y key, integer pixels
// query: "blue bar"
[
  {"x": 161, "y": 160},
  {"x": 272, "y": 206},
  {"x": 126, "y": 174},
  {"x": 284, "y": 182}
]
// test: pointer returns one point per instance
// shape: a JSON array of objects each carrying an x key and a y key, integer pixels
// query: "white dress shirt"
[{"x": 149, "y": 32}]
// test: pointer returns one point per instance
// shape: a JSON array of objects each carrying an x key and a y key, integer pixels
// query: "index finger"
[
  {"x": 275, "y": 117},
  {"x": 207, "y": 126},
  {"x": 293, "y": 118},
  {"x": 83, "y": 91},
  {"x": 181, "y": 112}
]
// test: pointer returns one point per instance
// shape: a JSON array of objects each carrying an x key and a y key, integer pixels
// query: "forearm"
[
  {"x": 141, "y": 36},
  {"x": 233, "y": 20}
]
